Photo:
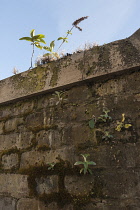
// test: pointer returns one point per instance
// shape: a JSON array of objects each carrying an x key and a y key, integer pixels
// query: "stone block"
[
  {"x": 50, "y": 139},
  {"x": 120, "y": 184},
  {"x": 79, "y": 185},
  {"x": 11, "y": 125},
  {"x": 111, "y": 87},
  {"x": 23, "y": 108},
  {"x": 35, "y": 121},
  {"x": 15, "y": 185},
  {"x": 38, "y": 120},
  {"x": 37, "y": 158},
  {"x": 31, "y": 204},
  {"x": 8, "y": 141},
  {"x": 68, "y": 207},
  {"x": 122, "y": 155},
  {"x": 20, "y": 140},
  {"x": 5, "y": 112},
  {"x": 78, "y": 135},
  {"x": 7, "y": 203},
  {"x": 10, "y": 161},
  {"x": 47, "y": 184},
  {"x": 79, "y": 94}
]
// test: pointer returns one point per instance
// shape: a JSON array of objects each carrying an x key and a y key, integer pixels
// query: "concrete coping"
[{"x": 114, "y": 58}]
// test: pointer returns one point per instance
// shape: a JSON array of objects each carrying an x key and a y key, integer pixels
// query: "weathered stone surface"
[
  {"x": 23, "y": 108},
  {"x": 10, "y": 161},
  {"x": 78, "y": 135},
  {"x": 78, "y": 94},
  {"x": 47, "y": 184},
  {"x": 15, "y": 185},
  {"x": 8, "y": 141},
  {"x": 50, "y": 139},
  {"x": 68, "y": 207},
  {"x": 106, "y": 156},
  {"x": 12, "y": 124},
  {"x": 7, "y": 203},
  {"x": 30, "y": 204},
  {"x": 20, "y": 140},
  {"x": 5, "y": 112},
  {"x": 35, "y": 121},
  {"x": 79, "y": 185},
  {"x": 120, "y": 184},
  {"x": 37, "y": 158}
]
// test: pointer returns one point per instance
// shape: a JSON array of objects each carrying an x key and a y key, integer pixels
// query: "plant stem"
[
  {"x": 32, "y": 57},
  {"x": 65, "y": 37}
]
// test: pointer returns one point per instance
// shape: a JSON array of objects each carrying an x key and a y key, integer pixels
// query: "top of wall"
[{"x": 113, "y": 58}]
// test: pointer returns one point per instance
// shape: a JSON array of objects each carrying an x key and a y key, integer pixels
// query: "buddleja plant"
[{"x": 35, "y": 41}]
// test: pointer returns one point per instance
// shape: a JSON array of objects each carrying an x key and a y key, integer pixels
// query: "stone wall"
[{"x": 45, "y": 126}]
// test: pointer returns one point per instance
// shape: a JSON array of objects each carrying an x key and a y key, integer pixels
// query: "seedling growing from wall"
[
  {"x": 51, "y": 166},
  {"x": 85, "y": 164},
  {"x": 122, "y": 125},
  {"x": 105, "y": 117},
  {"x": 107, "y": 136},
  {"x": 60, "y": 96}
]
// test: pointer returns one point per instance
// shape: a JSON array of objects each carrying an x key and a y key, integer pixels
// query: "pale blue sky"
[{"x": 109, "y": 20}]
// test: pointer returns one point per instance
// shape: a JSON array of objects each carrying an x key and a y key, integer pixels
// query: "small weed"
[
  {"x": 104, "y": 117},
  {"x": 107, "y": 136},
  {"x": 85, "y": 164},
  {"x": 60, "y": 96},
  {"x": 122, "y": 125},
  {"x": 51, "y": 166}
]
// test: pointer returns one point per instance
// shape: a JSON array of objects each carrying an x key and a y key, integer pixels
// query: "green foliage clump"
[
  {"x": 122, "y": 124},
  {"x": 85, "y": 164},
  {"x": 51, "y": 166},
  {"x": 36, "y": 41},
  {"x": 60, "y": 97},
  {"x": 107, "y": 136},
  {"x": 105, "y": 117}
]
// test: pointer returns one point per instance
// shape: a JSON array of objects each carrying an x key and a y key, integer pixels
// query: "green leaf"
[
  {"x": 91, "y": 163},
  {"x": 119, "y": 127},
  {"x": 60, "y": 38},
  {"x": 46, "y": 48},
  {"x": 123, "y": 117},
  {"x": 81, "y": 170},
  {"x": 42, "y": 41},
  {"x": 52, "y": 44},
  {"x": 39, "y": 36},
  {"x": 78, "y": 163},
  {"x": 127, "y": 125},
  {"x": 39, "y": 46},
  {"x": 92, "y": 123},
  {"x": 26, "y": 38},
  {"x": 32, "y": 33},
  {"x": 90, "y": 171}
]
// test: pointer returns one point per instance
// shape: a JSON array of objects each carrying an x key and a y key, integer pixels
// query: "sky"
[{"x": 108, "y": 20}]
